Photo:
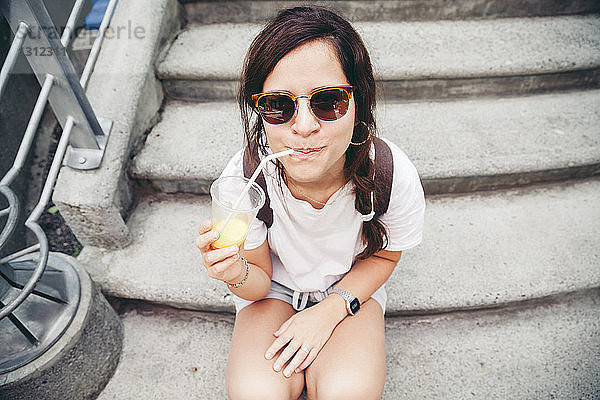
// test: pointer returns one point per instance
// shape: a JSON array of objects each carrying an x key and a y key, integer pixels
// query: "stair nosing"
[
  {"x": 478, "y": 164},
  {"x": 424, "y": 71},
  {"x": 429, "y": 279}
]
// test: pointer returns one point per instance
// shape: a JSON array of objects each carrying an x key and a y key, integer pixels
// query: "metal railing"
[{"x": 84, "y": 136}]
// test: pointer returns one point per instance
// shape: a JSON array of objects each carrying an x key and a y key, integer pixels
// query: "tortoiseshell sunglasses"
[{"x": 326, "y": 103}]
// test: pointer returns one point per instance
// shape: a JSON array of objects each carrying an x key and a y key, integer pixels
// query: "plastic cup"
[{"x": 233, "y": 224}]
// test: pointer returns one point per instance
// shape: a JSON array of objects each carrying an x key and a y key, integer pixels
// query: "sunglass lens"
[
  {"x": 276, "y": 108},
  {"x": 330, "y": 104}
]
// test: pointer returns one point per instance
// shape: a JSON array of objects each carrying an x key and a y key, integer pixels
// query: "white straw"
[{"x": 251, "y": 181}]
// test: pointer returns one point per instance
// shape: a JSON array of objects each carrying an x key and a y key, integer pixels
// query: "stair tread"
[
  {"x": 461, "y": 138},
  {"x": 414, "y": 50},
  {"x": 479, "y": 250},
  {"x": 385, "y": 10},
  {"x": 525, "y": 353}
]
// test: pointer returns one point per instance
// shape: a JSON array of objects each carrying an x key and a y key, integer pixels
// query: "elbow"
[
  {"x": 257, "y": 296},
  {"x": 262, "y": 292}
]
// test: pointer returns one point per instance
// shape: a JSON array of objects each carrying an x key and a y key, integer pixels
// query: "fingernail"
[
  {"x": 268, "y": 355},
  {"x": 287, "y": 373},
  {"x": 297, "y": 370},
  {"x": 215, "y": 235},
  {"x": 277, "y": 367}
]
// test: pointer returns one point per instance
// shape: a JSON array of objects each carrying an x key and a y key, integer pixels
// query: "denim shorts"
[{"x": 301, "y": 300}]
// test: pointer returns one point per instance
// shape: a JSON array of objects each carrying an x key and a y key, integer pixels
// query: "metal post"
[
  {"x": 11, "y": 59},
  {"x": 66, "y": 36},
  {"x": 91, "y": 62},
  {"x": 32, "y": 126}
]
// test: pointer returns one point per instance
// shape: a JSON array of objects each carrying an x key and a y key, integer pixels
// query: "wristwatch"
[{"x": 352, "y": 302}]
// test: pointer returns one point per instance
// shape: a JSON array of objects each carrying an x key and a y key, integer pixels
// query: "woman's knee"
[
  {"x": 252, "y": 386},
  {"x": 256, "y": 391},
  {"x": 260, "y": 391},
  {"x": 334, "y": 387}
]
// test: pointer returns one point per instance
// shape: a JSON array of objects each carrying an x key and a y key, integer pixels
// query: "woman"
[{"x": 310, "y": 306}]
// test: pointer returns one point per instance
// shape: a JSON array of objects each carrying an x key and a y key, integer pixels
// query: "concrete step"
[
  {"x": 210, "y": 11},
  {"x": 480, "y": 250},
  {"x": 414, "y": 60},
  {"x": 548, "y": 351},
  {"x": 456, "y": 146}
]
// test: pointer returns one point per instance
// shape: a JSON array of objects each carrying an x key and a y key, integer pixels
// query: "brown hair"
[{"x": 288, "y": 30}]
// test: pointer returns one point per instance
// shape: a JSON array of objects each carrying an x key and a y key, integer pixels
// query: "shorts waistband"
[{"x": 301, "y": 299}]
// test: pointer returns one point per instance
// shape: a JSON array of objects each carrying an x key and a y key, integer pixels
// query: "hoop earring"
[{"x": 368, "y": 136}]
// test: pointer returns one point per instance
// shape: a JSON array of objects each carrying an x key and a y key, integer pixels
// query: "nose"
[{"x": 304, "y": 122}]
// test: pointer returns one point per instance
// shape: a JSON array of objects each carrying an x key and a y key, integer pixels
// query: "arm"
[
  {"x": 225, "y": 264},
  {"x": 258, "y": 283},
  {"x": 312, "y": 327},
  {"x": 365, "y": 277}
]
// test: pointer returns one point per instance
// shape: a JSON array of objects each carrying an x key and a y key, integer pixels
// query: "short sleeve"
[
  {"x": 405, "y": 216},
  {"x": 258, "y": 230}
]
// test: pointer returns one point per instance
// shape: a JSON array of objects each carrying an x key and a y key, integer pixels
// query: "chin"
[{"x": 302, "y": 173}]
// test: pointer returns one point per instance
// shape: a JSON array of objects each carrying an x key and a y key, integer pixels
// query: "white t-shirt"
[{"x": 312, "y": 249}]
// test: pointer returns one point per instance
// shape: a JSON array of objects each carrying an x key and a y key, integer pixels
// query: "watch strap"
[{"x": 352, "y": 302}]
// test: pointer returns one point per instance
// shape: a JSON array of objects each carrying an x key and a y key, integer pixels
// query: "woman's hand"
[
  {"x": 222, "y": 264},
  {"x": 305, "y": 334}
]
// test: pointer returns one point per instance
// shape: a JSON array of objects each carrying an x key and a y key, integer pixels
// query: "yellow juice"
[{"x": 234, "y": 233}]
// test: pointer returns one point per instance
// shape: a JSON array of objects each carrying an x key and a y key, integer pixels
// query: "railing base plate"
[
  {"x": 79, "y": 158},
  {"x": 81, "y": 362},
  {"x": 41, "y": 319}
]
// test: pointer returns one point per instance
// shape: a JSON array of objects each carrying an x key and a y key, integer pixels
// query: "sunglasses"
[{"x": 326, "y": 103}]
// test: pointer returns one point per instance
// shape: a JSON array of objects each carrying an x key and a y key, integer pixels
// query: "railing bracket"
[{"x": 80, "y": 158}]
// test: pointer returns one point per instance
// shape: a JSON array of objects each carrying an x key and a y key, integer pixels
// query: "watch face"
[{"x": 354, "y": 306}]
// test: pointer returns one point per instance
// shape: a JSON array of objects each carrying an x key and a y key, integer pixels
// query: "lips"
[{"x": 304, "y": 153}]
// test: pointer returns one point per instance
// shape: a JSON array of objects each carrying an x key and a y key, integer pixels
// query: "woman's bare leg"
[
  {"x": 249, "y": 375},
  {"x": 351, "y": 365}
]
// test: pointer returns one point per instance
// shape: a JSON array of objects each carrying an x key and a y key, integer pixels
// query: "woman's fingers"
[
  {"x": 214, "y": 256},
  {"x": 227, "y": 266},
  {"x": 276, "y": 346},
  {"x": 222, "y": 264},
  {"x": 308, "y": 360},
  {"x": 286, "y": 355},
  {"x": 205, "y": 226},
  {"x": 204, "y": 241},
  {"x": 280, "y": 341},
  {"x": 300, "y": 356},
  {"x": 283, "y": 327}
]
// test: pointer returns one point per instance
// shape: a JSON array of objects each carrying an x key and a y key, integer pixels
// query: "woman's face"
[{"x": 319, "y": 145}]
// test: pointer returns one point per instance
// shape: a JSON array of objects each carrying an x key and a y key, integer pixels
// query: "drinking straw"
[{"x": 251, "y": 181}]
